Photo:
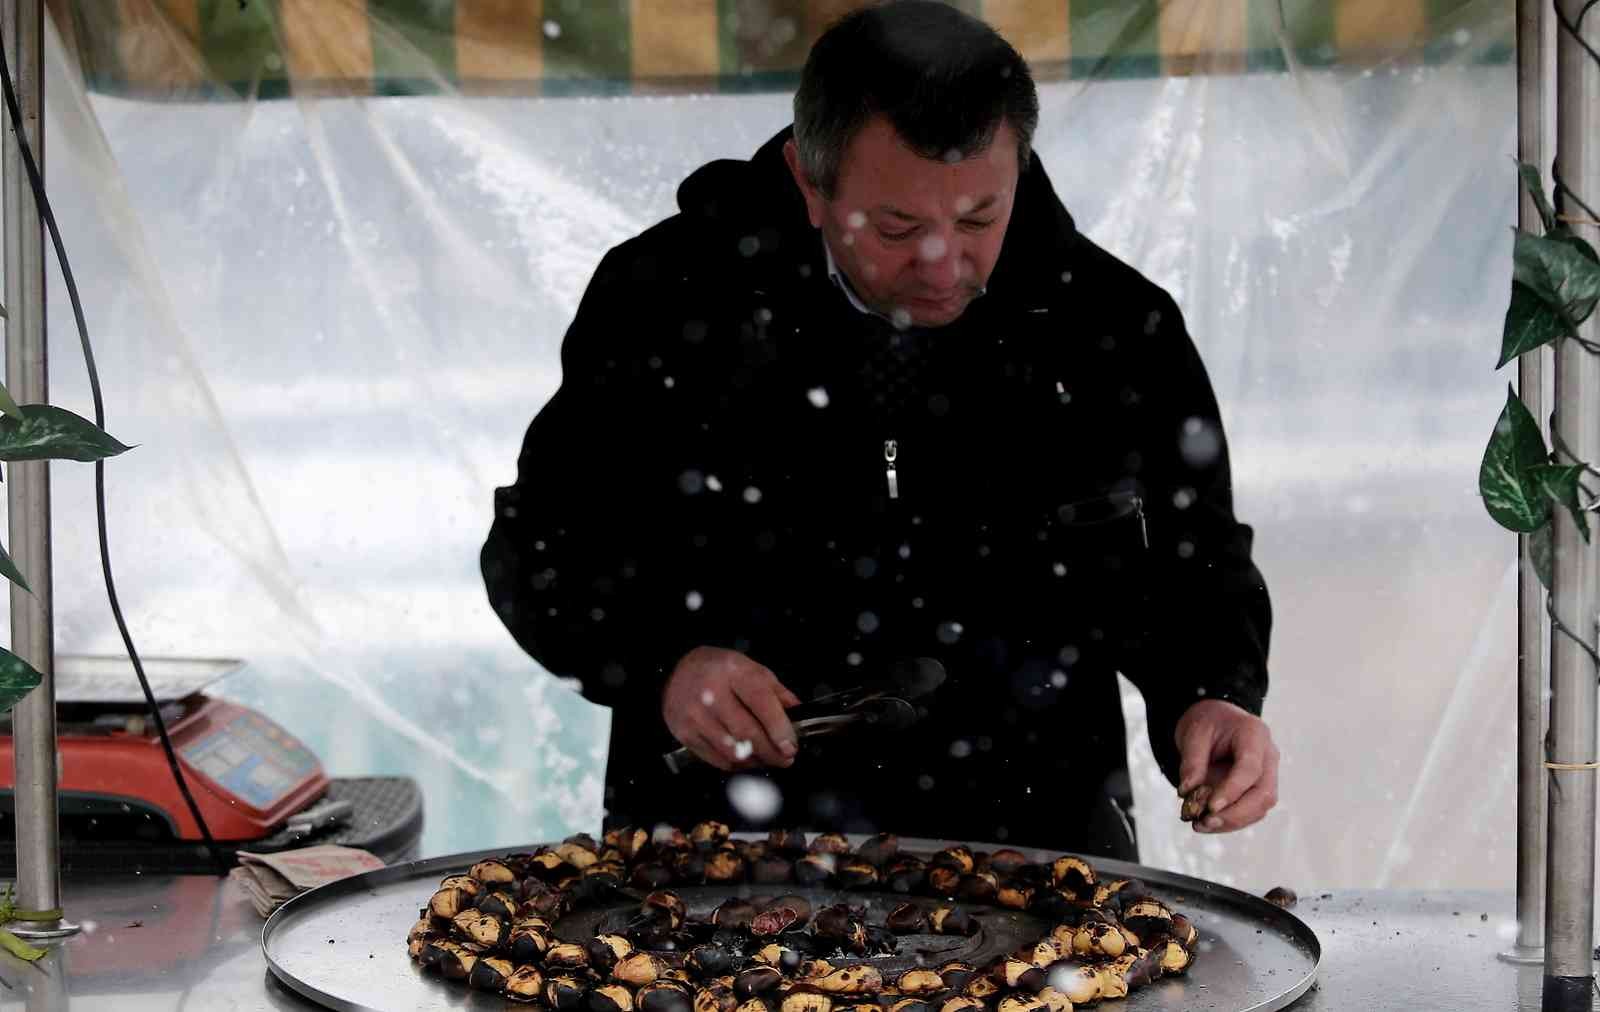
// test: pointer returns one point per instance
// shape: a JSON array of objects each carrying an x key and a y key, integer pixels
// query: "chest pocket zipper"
[{"x": 891, "y": 452}]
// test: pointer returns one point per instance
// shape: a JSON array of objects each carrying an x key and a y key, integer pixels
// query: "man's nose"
[{"x": 939, "y": 261}]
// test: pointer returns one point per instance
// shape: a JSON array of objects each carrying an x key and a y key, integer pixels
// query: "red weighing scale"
[{"x": 258, "y": 787}]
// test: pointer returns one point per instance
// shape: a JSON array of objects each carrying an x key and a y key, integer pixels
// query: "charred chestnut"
[
  {"x": 1079, "y": 982},
  {"x": 814, "y": 869},
  {"x": 734, "y": 914},
  {"x": 566, "y": 956},
  {"x": 952, "y": 921},
  {"x": 833, "y": 922},
  {"x": 1022, "y": 1003},
  {"x": 756, "y": 980},
  {"x": 830, "y": 843},
  {"x": 780, "y": 957},
  {"x": 1014, "y": 896},
  {"x": 786, "y": 841},
  {"x": 1074, "y": 875},
  {"x": 1054, "y": 1000},
  {"x": 564, "y": 993},
  {"x": 664, "y": 905},
  {"x": 639, "y": 969},
  {"x": 482, "y": 929},
  {"x": 524, "y": 984},
  {"x": 805, "y": 1001},
  {"x": 1006, "y": 861},
  {"x": 1147, "y": 917},
  {"x": 1282, "y": 896},
  {"x": 724, "y": 866},
  {"x": 771, "y": 870},
  {"x": 982, "y": 986},
  {"x": 493, "y": 873},
  {"x": 814, "y": 968},
  {"x": 708, "y": 835},
  {"x": 605, "y": 950},
  {"x": 664, "y": 996},
  {"x": 610, "y": 998},
  {"x": 1018, "y": 975},
  {"x": 963, "y": 1003},
  {"x": 906, "y": 919},
  {"x": 1194, "y": 803},
  {"x": 1185, "y": 932},
  {"x": 448, "y": 901},
  {"x": 689, "y": 866},
  {"x": 856, "y": 874},
  {"x": 650, "y": 875},
  {"x": 499, "y": 904},
  {"x": 880, "y": 849},
  {"x": 979, "y": 887},
  {"x": 944, "y": 880},
  {"x": 528, "y": 945},
  {"x": 881, "y": 941},
  {"x": 913, "y": 1004},
  {"x": 715, "y": 998},
  {"x": 772, "y": 921},
  {"x": 799, "y": 904},
  {"x": 490, "y": 974},
  {"x": 1175, "y": 959},
  {"x": 958, "y": 857},
  {"x": 851, "y": 980},
  {"x": 710, "y": 960},
  {"x": 956, "y": 974},
  {"x": 578, "y": 856}
]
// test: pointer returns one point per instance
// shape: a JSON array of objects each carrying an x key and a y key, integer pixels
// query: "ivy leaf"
[
  {"x": 1535, "y": 184},
  {"x": 17, "y": 679},
  {"x": 1531, "y": 322},
  {"x": 47, "y": 432},
  {"x": 1559, "y": 272},
  {"x": 1559, "y": 483},
  {"x": 1542, "y": 553},
  {"x": 7, "y": 405},
  {"x": 1512, "y": 497},
  {"x": 9, "y": 570}
]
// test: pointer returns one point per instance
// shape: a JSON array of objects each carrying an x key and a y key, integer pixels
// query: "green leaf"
[
  {"x": 1512, "y": 497},
  {"x": 1535, "y": 184},
  {"x": 47, "y": 432},
  {"x": 9, "y": 570},
  {"x": 1531, "y": 322},
  {"x": 1542, "y": 553},
  {"x": 1559, "y": 272},
  {"x": 1559, "y": 483},
  {"x": 17, "y": 679},
  {"x": 7, "y": 405}
]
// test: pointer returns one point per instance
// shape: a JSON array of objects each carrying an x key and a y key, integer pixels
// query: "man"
[{"x": 870, "y": 397}]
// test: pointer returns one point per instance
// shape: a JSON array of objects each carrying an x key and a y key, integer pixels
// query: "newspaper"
[{"x": 270, "y": 880}]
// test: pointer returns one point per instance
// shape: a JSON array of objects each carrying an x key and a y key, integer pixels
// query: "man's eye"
[
  {"x": 976, "y": 226},
  {"x": 896, "y": 236}
]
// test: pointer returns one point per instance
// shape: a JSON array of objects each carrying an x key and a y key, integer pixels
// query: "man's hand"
[
  {"x": 728, "y": 710},
  {"x": 1231, "y": 750}
]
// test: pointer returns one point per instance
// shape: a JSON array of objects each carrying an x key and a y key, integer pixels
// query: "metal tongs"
[{"x": 885, "y": 704}]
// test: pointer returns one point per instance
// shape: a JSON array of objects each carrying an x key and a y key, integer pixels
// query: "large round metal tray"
[{"x": 343, "y": 945}]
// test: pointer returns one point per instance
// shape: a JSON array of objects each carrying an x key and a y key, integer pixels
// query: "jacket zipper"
[{"x": 891, "y": 452}]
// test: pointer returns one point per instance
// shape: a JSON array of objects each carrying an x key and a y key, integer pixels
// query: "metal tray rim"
[{"x": 1275, "y": 916}]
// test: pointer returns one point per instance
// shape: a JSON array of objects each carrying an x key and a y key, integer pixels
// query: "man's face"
[{"x": 917, "y": 237}]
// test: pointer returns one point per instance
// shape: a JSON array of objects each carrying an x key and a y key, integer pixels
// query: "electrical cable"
[{"x": 36, "y": 182}]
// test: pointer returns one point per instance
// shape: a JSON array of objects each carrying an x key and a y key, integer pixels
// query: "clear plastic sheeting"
[{"x": 327, "y": 321}]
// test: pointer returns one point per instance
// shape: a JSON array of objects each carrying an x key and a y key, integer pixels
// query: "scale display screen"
[{"x": 252, "y": 757}]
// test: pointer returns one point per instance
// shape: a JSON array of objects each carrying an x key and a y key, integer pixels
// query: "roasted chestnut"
[
  {"x": 1185, "y": 932},
  {"x": 715, "y": 998},
  {"x": 580, "y": 857},
  {"x": 664, "y": 996},
  {"x": 833, "y": 922},
  {"x": 689, "y": 866},
  {"x": 710, "y": 960},
  {"x": 638, "y": 969},
  {"x": 814, "y": 968},
  {"x": 830, "y": 843},
  {"x": 482, "y": 929},
  {"x": 1006, "y": 861},
  {"x": 982, "y": 986},
  {"x": 1175, "y": 959},
  {"x": 956, "y": 974},
  {"x": 448, "y": 901},
  {"x": 756, "y": 980},
  {"x": 605, "y": 950},
  {"x": 1282, "y": 896},
  {"x": 452, "y": 960},
  {"x": 524, "y": 984},
  {"x": 735, "y": 914},
  {"x": 1078, "y": 981},
  {"x": 1073, "y": 874},
  {"x": 944, "y": 880},
  {"x": 952, "y": 921},
  {"x": 912, "y": 1004},
  {"x": 780, "y": 957},
  {"x": 799, "y": 904},
  {"x": 805, "y": 1001},
  {"x": 499, "y": 904},
  {"x": 790, "y": 841},
  {"x": 490, "y": 974},
  {"x": 1015, "y": 897},
  {"x": 1194, "y": 803},
  {"x": 610, "y": 998},
  {"x": 566, "y": 956},
  {"x": 564, "y": 993},
  {"x": 708, "y": 835},
  {"x": 528, "y": 945},
  {"x": 1147, "y": 917},
  {"x": 906, "y": 919},
  {"x": 919, "y": 981},
  {"x": 855, "y": 938},
  {"x": 548, "y": 865},
  {"x": 814, "y": 869},
  {"x": 979, "y": 887},
  {"x": 881, "y": 941},
  {"x": 851, "y": 980},
  {"x": 552, "y": 905},
  {"x": 630, "y": 840},
  {"x": 880, "y": 849},
  {"x": 1022, "y": 1003},
  {"x": 959, "y": 857},
  {"x": 1042, "y": 953},
  {"x": 1018, "y": 975},
  {"x": 771, "y": 870},
  {"x": 856, "y": 874},
  {"x": 493, "y": 873},
  {"x": 1054, "y": 1000},
  {"x": 905, "y": 876},
  {"x": 964, "y": 1003},
  {"x": 772, "y": 921},
  {"x": 724, "y": 866}
]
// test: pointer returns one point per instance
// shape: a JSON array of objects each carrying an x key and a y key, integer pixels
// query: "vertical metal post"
[
  {"x": 28, "y": 484},
  {"x": 1531, "y": 787},
  {"x": 1569, "y": 898}
]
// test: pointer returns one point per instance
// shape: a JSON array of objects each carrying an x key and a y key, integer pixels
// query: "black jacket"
[{"x": 711, "y": 471}]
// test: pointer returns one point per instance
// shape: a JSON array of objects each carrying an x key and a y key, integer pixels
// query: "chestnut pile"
[{"x": 492, "y": 927}]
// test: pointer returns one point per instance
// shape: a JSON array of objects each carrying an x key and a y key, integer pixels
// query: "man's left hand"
[{"x": 1231, "y": 750}]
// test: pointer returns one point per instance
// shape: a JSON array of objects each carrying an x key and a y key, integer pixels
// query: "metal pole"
[
  {"x": 28, "y": 484},
  {"x": 1530, "y": 594},
  {"x": 1569, "y": 897}
]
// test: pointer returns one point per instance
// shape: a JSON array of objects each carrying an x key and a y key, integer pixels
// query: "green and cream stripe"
[{"x": 185, "y": 49}]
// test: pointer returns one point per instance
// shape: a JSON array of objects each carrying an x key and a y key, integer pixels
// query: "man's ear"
[{"x": 815, "y": 204}]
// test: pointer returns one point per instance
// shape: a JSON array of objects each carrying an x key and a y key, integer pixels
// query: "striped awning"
[{"x": 188, "y": 49}]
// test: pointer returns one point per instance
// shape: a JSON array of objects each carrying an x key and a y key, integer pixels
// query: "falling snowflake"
[
  {"x": 693, "y": 600},
  {"x": 752, "y": 495},
  {"x": 756, "y": 798},
  {"x": 552, "y": 29},
  {"x": 818, "y": 396}
]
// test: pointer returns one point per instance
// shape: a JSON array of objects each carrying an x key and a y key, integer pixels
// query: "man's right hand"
[{"x": 728, "y": 710}]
